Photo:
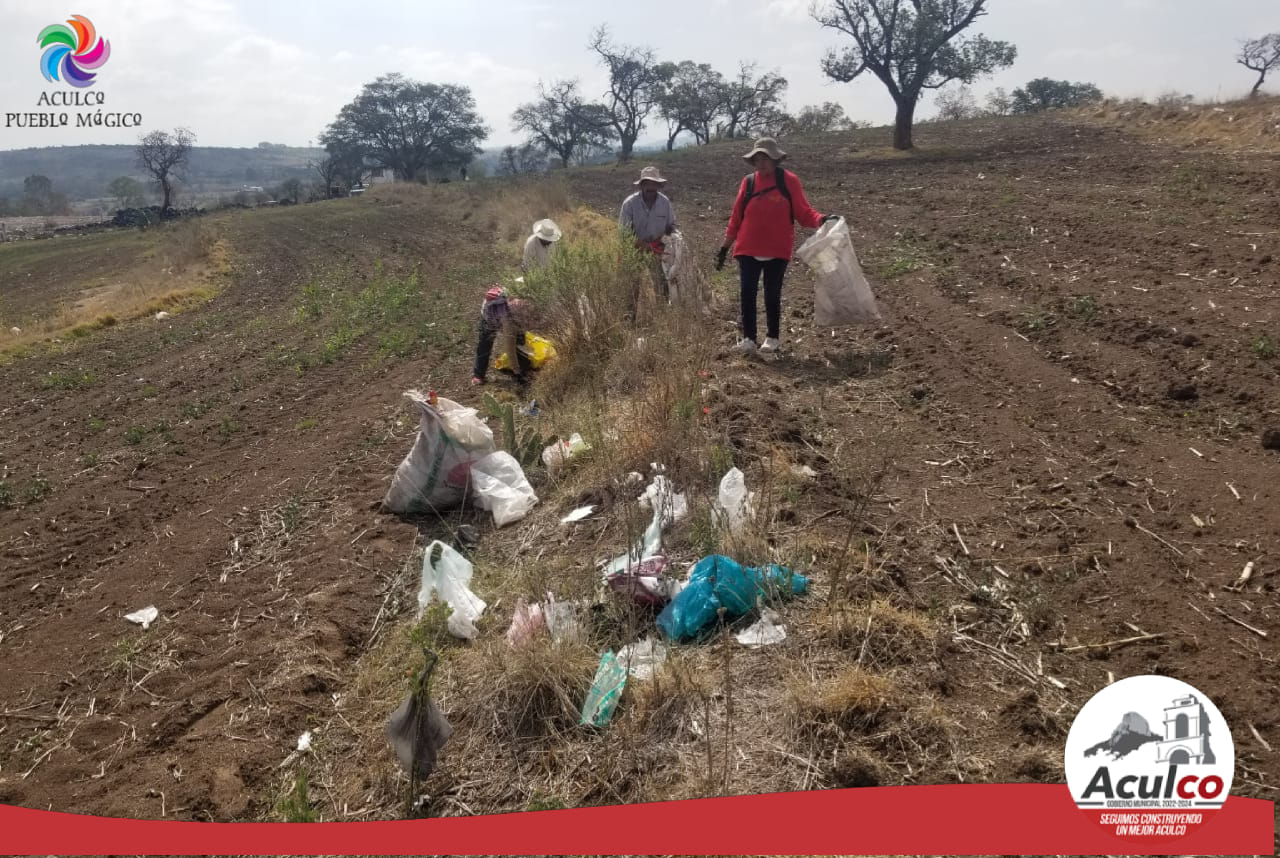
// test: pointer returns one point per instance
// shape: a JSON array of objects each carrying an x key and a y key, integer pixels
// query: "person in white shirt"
[
  {"x": 538, "y": 247},
  {"x": 649, "y": 216}
]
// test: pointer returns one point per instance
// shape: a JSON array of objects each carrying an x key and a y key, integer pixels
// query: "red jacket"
[{"x": 766, "y": 230}]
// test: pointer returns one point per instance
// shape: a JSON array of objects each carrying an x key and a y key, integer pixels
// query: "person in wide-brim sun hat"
[
  {"x": 762, "y": 234},
  {"x": 649, "y": 217},
  {"x": 539, "y": 244}
]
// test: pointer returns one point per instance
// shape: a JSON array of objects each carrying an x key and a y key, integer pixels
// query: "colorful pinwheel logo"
[{"x": 73, "y": 53}]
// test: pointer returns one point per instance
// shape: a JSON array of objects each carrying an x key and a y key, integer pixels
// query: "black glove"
[
  {"x": 721, "y": 255},
  {"x": 831, "y": 217}
]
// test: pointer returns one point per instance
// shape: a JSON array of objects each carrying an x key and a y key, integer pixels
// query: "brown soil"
[{"x": 1046, "y": 285}]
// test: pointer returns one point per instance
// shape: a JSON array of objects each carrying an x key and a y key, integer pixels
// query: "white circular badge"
[{"x": 1149, "y": 758}]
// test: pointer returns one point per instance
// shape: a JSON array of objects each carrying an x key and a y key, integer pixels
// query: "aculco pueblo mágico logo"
[
  {"x": 72, "y": 52},
  {"x": 1150, "y": 758}
]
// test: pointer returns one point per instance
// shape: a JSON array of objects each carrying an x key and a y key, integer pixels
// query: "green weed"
[
  {"x": 296, "y": 805},
  {"x": 15, "y": 494},
  {"x": 70, "y": 380},
  {"x": 1082, "y": 308},
  {"x": 135, "y": 435},
  {"x": 1263, "y": 347},
  {"x": 306, "y": 424},
  {"x": 95, "y": 424},
  {"x": 228, "y": 427}
]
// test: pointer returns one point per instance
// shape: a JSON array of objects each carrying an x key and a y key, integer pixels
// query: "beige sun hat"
[
  {"x": 547, "y": 230},
  {"x": 768, "y": 146},
  {"x": 650, "y": 174}
]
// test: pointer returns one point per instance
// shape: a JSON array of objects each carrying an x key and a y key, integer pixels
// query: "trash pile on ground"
[{"x": 455, "y": 460}]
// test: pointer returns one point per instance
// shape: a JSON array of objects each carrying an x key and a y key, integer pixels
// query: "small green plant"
[
  {"x": 192, "y": 410},
  {"x": 15, "y": 494},
  {"x": 292, "y": 514},
  {"x": 70, "y": 380},
  {"x": 1263, "y": 347},
  {"x": 135, "y": 434},
  {"x": 306, "y": 424},
  {"x": 1083, "y": 308},
  {"x": 95, "y": 424},
  {"x": 228, "y": 427},
  {"x": 296, "y": 805},
  {"x": 525, "y": 446},
  {"x": 90, "y": 460},
  {"x": 150, "y": 392},
  {"x": 1038, "y": 322}
]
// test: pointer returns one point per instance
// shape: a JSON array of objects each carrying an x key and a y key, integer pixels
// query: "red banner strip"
[{"x": 953, "y": 820}]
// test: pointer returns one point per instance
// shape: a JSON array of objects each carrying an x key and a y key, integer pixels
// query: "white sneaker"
[
  {"x": 745, "y": 347},
  {"x": 770, "y": 346}
]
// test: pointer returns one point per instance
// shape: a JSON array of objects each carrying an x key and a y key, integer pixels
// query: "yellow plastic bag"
[{"x": 538, "y": 349}]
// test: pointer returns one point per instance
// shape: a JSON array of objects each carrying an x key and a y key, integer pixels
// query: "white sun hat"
[{"x": 547, "y": 230}]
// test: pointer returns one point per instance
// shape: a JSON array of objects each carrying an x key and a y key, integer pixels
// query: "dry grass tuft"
[
  {"x": 854, "y": 700},
  {"x": 881, "y": 634}
]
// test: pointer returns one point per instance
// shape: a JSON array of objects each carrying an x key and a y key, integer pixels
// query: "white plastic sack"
[
  {"x": 683, "y": 278},
  {"x": 562, "y": 620},
  {"x": 499, "y": 485},
  {"x": 843, "y": 296},
  {"x": 434, "y": 475},
  {"x": 449, "y": 577},
  {"x": 735, "y": 507},
  {"x": 556, "y": 454}
]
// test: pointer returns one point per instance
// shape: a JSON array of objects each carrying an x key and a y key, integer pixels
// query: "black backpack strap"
[
  {"x": 780, "y": 179},
  {"x": 780, "y": 182}
]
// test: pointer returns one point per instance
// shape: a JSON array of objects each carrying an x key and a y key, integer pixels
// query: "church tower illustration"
[{"x": 1186, "y": 734}]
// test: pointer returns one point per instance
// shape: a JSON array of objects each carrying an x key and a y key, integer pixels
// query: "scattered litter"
[
  {"x": 417, "y": 729},
  {"x": 803, "y": 471},
  {"x": 1197, "y": 520},
  {"x": 15, "y": 330},
  {"x": 500, "y": 486},
  {"x": 719, "y": 582},
  {"x": 450, "y": 577},
  {"x": 562, "y": 620},
  {"x": 643, "y": 658},
  {"x": 162, "y": 315},
  {"x": 649, "y": 545},
  {"x": 734, "y": 508},
  {"x": 634, "y": 478},
  {"x": 537, "y": 349},
  {"x": 764, "y": 631},
  {"x": 660, "y": 494},
  {"x": 145, "y": 617},
  {"x": 644, "y": 581},
  {"x": 434, "y": 476},
  {"x": 606, "y": 688},
  {"x": 530, "y": 410},
  {"x": 304, "y": 742},
  {"x": 467, "y": 536},
  {"x": 578, "y": 514},
  {"x": 525, "y": 623},
  {"x": 557, "y": 454},
  {"x": 842, "y": 296}
]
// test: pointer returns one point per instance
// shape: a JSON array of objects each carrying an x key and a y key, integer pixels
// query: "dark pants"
[
  {"x": 484, "y": 349},
  {"x": 749, "y": 271}
]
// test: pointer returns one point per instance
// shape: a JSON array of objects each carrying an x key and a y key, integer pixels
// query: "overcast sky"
[{"x": 239, "y": 72}]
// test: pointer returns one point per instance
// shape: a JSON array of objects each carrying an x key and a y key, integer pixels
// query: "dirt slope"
[{"x": 1078, "y": 362}]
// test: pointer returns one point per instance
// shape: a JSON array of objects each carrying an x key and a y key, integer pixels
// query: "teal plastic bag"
[
  {"x": 602, "y": 699},
  {"x": 721, "y": 582}
]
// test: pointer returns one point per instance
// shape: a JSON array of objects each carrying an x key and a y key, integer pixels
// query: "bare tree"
[
  {"x": 519, "y": 160},
  {"x": 750, "y": 102},
  {"x": 1260, "y": 55},
  {"x": 164, "y": 156},
  {"x": 562, "y": 123},
  {"x": 692, "y": 97},
  {"x": 957, "y": 103},
  {"x": 999, "y": 102},
  {"x": 634, "y": 87},
  {"x": 911, "y": 46}
]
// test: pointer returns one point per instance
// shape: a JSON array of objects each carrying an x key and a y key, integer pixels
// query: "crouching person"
[{"x": 499, "y": 324}]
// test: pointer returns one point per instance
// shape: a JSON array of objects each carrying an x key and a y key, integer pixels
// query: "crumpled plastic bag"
[
  {"x": 449, "y": 577},
  {"x": 418, "y": 731},
  {"x": 435, "y": 474},
  {"x": 562, "y": 620},
  {"x": 555, "y": 455},
  {"x": 644, "y": 582},
  {"x": 643, "y": 658},
  {"x": 735, "y": 506},
  {"x": 661, "y": 495},
  {"x": 843, "y": 296},
  {"x": 499, "y": 485},
  {"x": 606, "y": 689},
  {"x": 718, "y": 581},
  {"x": 764, "y": 631},
  {"x": 525, "y": 622}
]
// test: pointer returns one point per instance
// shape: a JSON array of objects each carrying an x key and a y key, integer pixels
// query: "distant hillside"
[{"x": 83, "y": 172}]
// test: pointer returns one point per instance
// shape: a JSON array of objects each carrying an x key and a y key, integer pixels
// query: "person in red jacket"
[{"x": 762, "y": 233}]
